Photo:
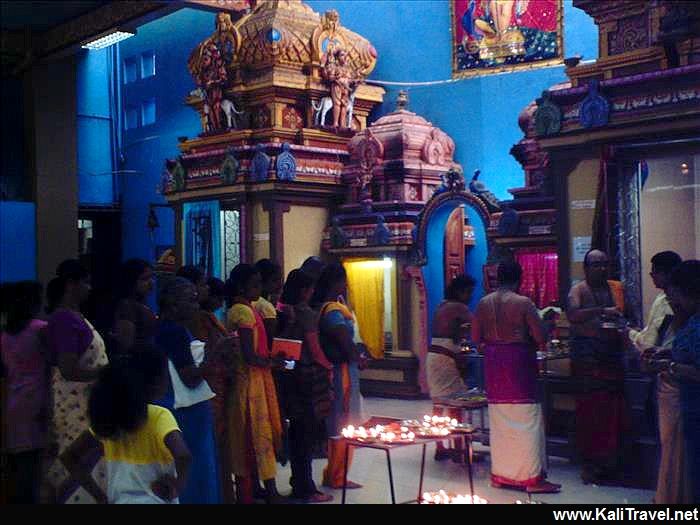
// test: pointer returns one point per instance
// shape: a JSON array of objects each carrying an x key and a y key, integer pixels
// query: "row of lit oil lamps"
[
  {"x": 443, "y": 498},
  {"x": 432, "y": 426}
]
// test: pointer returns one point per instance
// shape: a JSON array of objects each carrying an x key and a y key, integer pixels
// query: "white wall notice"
[
  {"x": 583, "y": 205},
  {"x": 580, "y": 246}
]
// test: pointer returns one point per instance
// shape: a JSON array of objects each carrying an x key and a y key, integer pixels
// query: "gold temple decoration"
[{"x": 269, "y": 67}]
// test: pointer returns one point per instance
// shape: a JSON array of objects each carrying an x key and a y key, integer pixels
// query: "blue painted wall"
[
  {"x": 145, "y": 148},
  {"x": 18, "y": 241},
  {"x": 95, "y": 179},
  {"x": 17, "y": 215},
  {"x": 412, "y": 38},
  {"x": 413, "y": 41}
]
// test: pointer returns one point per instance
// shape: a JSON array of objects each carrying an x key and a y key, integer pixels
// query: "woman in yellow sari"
[{"x": 255, "y": 430}]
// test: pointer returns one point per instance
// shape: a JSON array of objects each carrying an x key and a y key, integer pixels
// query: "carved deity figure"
[
  {"x": 364, "y": 180},
  {"x": 212, "y": 77},
  {"x": 343, "y": 81},
  {"x": 224, "y": 36},
  {"x": 207, "y": 64},
  {"x": 330, "y": 21}
]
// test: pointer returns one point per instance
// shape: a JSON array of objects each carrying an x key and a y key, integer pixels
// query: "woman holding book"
[{"x": 255, "y": 430}]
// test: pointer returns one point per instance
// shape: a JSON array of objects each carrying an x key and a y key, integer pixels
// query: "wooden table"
[
  {"x": 388, "y": 447},
  {"x": 468, "y": 406}
]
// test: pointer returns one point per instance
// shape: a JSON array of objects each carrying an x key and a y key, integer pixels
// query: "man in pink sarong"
[{"x": 507, "y": 327}]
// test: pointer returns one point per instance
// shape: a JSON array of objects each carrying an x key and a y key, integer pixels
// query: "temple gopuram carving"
[{"x": 270, "y": 89}]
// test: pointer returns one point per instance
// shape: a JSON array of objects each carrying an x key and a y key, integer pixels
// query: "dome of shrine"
[
  {"x": 407, "y": 137},
  {"x": 290, "y": 33}
]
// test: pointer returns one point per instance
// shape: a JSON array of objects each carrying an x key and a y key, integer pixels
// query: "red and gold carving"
[
  {"x": 226, "y": 40},
  {"x": 632, "y": 33},
  {"x": 291, "y": 118},
  {"x": 329, "y": 34},
  {"x": 367, "y": 151},
  {"x": 230, "y": 5}
]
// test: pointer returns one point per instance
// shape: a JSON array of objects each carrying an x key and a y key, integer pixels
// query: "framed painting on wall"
[{"x": 496, "y": 36}]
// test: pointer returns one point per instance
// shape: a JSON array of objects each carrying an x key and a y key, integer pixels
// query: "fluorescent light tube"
[{"x": 108, "y": 39}]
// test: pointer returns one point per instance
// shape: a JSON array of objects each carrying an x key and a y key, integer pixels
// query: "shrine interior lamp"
[
  {"x": 386, "y": 262},
  {"x": 107, "y": 39}
]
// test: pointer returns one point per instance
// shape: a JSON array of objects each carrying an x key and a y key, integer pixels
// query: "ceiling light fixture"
[{"x": 107, "y": 39}]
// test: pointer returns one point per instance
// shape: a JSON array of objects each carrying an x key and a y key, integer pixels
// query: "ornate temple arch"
[
  {"x": 428, "y": 267},
  {"x": 436, "y": 202}
]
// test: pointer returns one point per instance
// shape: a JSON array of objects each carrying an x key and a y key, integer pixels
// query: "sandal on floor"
[{"x": 545, "y": 487}]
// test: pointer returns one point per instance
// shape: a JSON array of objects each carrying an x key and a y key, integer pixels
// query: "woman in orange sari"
[
  {"x": 255, "y": 429},
  {"x": 209, "y": 329}
]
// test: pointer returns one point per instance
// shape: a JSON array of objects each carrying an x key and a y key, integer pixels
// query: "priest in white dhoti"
[{"x": 508, "y": 328}]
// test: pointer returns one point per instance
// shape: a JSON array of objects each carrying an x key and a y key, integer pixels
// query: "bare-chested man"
[
  {"x": 509, "y": 328},
  {"x": 448, "y": 330},
  {"x": 595, "y": 304}
]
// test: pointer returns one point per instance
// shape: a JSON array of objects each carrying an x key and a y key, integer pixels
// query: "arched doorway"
[{"x": 431, "y": 242}]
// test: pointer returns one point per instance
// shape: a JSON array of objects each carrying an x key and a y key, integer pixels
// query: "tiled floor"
[{"x": 369, "y": 468}]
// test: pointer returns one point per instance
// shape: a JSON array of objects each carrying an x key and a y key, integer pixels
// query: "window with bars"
[{"x": 230, "y": 240}]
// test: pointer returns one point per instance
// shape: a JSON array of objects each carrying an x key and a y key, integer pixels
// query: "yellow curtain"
[{"x": 366, "y": 295}]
